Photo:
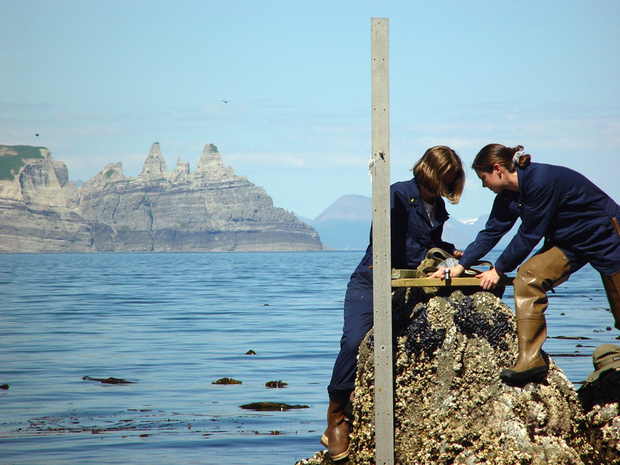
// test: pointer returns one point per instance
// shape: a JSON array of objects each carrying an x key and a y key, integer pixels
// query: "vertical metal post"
[{"x": 381, "y": 243}]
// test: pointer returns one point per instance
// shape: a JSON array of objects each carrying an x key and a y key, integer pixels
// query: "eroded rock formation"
[
  {"x": 38, "y": 204},
  {"x": 210, "y": 209}
]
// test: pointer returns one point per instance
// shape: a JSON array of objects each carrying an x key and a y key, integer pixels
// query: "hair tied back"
[{"x": 517, "y": 156}]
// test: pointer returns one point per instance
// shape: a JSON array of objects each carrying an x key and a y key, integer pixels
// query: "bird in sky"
[
  {"x": 37, "y": 135},
  {"x": 225, "y": 101}
]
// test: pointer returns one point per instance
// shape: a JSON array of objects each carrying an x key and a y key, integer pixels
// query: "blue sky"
[{"x": 100, "y": 81}]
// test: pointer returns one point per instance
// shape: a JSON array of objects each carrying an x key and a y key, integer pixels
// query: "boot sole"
[
  {"x": 335, "y": 458},
  {"x": 340, "y": 456},
  {"x": 536, "y": 374}
]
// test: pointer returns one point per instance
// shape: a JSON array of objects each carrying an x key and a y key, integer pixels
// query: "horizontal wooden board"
[{"x": 437, "y": 282}]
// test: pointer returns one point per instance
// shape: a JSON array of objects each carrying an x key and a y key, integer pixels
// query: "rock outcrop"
[
  {"x": 38, "y": 204},
  {"x": 209, "y": 210},
  {"x": 450, "y": 406},
  {"x": 601, "y": 402}
]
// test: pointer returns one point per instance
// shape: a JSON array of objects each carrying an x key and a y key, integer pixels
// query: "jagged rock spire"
[
  {"x": 181, "y": 170},
  {"x": 155, "y": 164},
  {"x": 210, "y": 163}
]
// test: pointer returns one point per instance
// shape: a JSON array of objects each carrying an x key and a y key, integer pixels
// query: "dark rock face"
[
  {"x": 209, "y": 210},
  {"x": 452, "y": 408},
  {"x": 601, "y": 401}
]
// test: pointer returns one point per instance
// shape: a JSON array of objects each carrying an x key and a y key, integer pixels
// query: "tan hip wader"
[
  {"x": 612, "y": 289},
  {"x": 534, "y": 278}
]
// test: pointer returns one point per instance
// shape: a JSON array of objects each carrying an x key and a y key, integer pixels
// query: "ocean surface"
[{"x": 173, "y": 324}]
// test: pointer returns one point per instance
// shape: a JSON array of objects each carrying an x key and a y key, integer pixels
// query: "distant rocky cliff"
[{"x": 208, "y": 210}]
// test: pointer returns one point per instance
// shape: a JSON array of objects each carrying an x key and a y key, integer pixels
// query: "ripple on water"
[{"x": 173, "y": 324}]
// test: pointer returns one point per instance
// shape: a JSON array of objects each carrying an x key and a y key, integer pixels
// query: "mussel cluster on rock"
[{"x": 450, "y": 407}]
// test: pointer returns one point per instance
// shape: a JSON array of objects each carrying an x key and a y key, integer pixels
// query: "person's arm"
[
  {"x": 540, "y": 204},
  {"x": 500, "y": 221},
  {"x": 490, "y": 278}
]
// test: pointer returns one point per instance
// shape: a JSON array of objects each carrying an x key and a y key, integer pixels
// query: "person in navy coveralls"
[
  {"x": 579, "y": 225},
  {"x": 418, "y": 214}
]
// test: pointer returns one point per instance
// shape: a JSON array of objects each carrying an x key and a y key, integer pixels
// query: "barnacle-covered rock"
[
  {"x": 601, "y": 401},
  {"x": 451, "y": 407}
]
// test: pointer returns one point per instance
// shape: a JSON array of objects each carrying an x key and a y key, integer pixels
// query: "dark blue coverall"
[
  {"x": 561, "y": 206},
  {"x": 412, "y": 236}
]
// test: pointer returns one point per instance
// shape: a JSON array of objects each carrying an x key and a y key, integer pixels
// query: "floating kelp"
[
  {"x": 109, "y": 380},
  {"x": 226, "y": 381},
  {"x": 276, "y": 384},
  {"x": 271, "y": 406}
]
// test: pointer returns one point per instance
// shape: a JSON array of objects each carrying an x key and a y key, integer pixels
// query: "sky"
[{"x": 283, "y": 88}]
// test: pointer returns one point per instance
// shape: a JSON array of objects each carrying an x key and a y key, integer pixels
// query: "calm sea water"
[{"x": 175, "y": 323}]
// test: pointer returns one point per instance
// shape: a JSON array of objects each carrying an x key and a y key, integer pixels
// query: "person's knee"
[
  {"x": 542, "y": 272},
  {"x": 351, "y": 344},
  {"x": 526, "y": 277}
]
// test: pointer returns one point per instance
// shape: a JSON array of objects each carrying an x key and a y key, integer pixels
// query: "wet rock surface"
[
  {"x": 226, "y": 381},
  {"x": 109, "y": 380},
  {"x": 601, "y": 401},
  {"x": 271, "y": 406},
  {"x": 279, "y": 384},
  {"x": 452, "y": 408}
]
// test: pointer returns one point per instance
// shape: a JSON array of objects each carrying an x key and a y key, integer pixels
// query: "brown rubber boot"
[
  {"x": 535, "y": 277},
  {"x": 336, "y": 437},
  {"x": 612, "y": 289},
  {"x": 531, "y": 366},
  {"x": 348, "y": 413}
]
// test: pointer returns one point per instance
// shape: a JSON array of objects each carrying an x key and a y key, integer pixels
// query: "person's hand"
[
  {"x": 489, "y": 279},
  {"x": 457, "y": 253},
  {"x": 454, "y": 272}
]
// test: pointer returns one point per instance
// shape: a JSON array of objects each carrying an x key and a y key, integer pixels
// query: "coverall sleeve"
[{"x": 501, "y": 220}]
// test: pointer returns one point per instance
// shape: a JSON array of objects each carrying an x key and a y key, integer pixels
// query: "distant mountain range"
[{"x": 345, "y": 225}]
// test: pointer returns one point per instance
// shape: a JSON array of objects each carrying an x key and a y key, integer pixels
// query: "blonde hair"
[
  {"x": 430, "y": 171},
  {"x": 498, "y": 154}
]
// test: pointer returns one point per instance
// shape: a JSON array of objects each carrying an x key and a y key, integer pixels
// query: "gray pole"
[{"x": 381, "y": 243}]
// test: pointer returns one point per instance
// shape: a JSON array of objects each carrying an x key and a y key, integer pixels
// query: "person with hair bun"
[
  {"x": 579, "y": 225},
  {"x": 417, "y": 216}
]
